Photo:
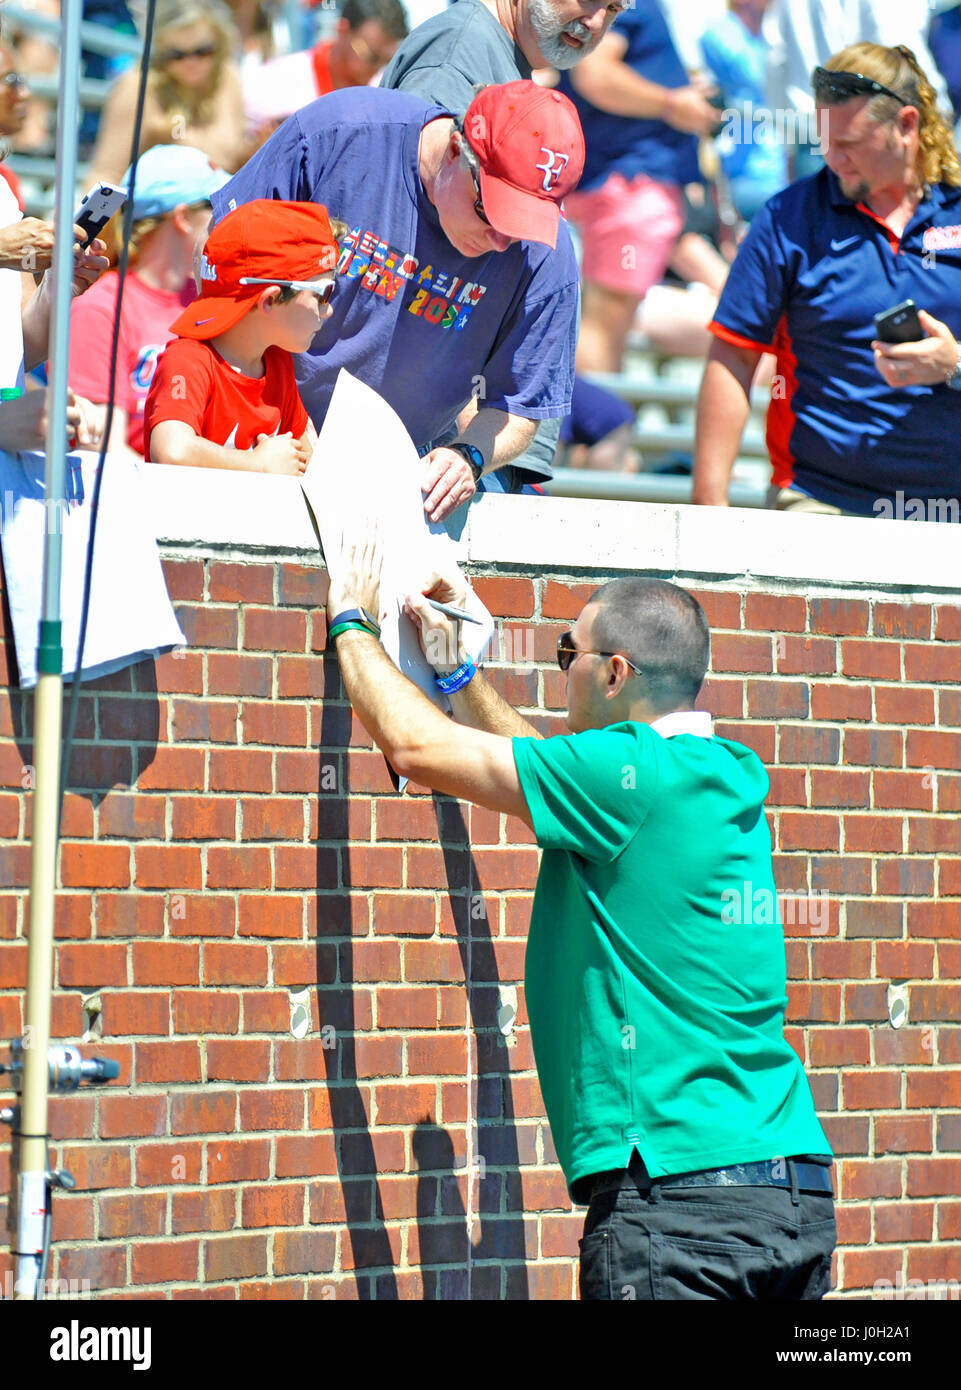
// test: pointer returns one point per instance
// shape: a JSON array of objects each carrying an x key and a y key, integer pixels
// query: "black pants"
[{"x": 647, "y": 1241}]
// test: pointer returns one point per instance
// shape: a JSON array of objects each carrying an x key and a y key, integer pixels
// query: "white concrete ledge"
[
  {"x": 220, "y": 507},
  {"x": 200, "y": 509}
]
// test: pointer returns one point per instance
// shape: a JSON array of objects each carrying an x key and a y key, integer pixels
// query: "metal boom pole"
[{"x": 32, "y": 1186}]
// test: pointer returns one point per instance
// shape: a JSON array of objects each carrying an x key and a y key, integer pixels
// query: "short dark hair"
[
  {"x": 662, "y": 629},
  {"x": 389, "y": 14}
]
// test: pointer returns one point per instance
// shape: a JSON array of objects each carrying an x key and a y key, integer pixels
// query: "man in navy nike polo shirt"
[{"x": 881, "y": 223}]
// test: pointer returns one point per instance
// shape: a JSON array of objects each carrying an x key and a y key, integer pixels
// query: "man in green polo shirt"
[{"x": 655, "y": 988}]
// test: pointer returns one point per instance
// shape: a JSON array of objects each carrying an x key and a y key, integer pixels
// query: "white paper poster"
[{"x": 365, "y": 471}]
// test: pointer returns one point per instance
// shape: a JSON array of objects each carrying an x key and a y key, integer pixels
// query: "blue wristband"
[{"x": 457, "y": 679}]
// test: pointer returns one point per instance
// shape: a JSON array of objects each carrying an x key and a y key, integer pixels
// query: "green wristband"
[{"x": 346, "y": 627}]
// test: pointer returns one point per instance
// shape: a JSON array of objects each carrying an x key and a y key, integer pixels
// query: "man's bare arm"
[
  {"x": 499, "y": 436},
  {"x": 478, "y": 706},
  {"x": 419, "y": 741},
  {"x": 605, "y": 80},
  {"x": 723, "y": 408}
]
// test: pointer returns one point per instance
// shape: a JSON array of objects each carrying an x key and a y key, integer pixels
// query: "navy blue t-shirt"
[
  {"x": 807, "y": 281},
  {"x": 627, "y": 145},
  {"x": 944, "y": 41},
  {"x": 425, "y": 326}
]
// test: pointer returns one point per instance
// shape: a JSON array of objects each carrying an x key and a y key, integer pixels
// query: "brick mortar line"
[{"x": 746, "y": 582}]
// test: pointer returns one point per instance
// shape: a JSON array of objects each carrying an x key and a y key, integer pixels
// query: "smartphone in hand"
[
  {"x": 97, "y": 207},
  {"x": 900, "y": 324}
]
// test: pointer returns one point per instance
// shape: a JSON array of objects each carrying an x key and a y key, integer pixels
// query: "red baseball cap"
[
  {"x": 266, "y": 239},
  {"x": 530, "y": 145}
]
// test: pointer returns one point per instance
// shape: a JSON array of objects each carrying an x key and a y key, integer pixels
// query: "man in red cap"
[
  {"x": 493, "y": 41},
  {"x": 457, "y": 285},
  {"x": 519, "y": 180},
  {"x": 224, "y": 393}
]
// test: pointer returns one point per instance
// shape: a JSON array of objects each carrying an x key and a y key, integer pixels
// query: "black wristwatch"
[
  {"x": 354, "y": 617},
  {"x": 473, "y": 456}
]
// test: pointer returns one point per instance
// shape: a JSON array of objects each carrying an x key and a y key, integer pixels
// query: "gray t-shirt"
[
  {"x": 447, "y": 56},
  {"x": 443, "y": 60}
]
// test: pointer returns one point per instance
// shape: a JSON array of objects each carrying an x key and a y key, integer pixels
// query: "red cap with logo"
[
  {"x": 530, "y": 145},
  {"x": 266, "y": 239}
]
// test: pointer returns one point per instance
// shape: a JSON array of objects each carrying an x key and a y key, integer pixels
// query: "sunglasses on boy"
[
  {"x": 323, "y": 289},
  {"x": 566, "y": 652},
  {"x": 844, "y": 85}
]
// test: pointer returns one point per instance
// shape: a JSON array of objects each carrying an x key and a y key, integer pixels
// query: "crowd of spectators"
[{"x": 712, "y": 220}]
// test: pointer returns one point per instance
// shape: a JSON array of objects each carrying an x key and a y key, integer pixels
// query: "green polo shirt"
[{"x": 655, "y": 971}]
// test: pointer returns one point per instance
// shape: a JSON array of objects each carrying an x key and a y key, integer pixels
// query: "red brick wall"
[{"x": 233, "y": 837}]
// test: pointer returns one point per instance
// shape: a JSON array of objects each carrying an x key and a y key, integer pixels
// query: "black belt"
[{"x": 806, "y": 1177}]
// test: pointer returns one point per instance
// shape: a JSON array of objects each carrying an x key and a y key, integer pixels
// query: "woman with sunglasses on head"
[
  {"x": 804, "y": 33},
  {"x": 827, "y": 264},
  {"x": 193, "y": 91}
]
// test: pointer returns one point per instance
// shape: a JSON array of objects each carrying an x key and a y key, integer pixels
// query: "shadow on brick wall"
[
  {"x": 118, "y": 728},
  {"x": 356, "y": 1160},
  {"x": 444, "y": 1237},
  {"x": 501, "y": 1235}
]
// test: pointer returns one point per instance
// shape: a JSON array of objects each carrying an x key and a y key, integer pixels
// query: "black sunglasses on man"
[
  {"x": 566, "y": 652},
  {"x": 841, "y": 86}
]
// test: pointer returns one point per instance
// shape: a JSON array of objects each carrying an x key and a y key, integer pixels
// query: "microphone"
[{"x": 68, "y": 1069}]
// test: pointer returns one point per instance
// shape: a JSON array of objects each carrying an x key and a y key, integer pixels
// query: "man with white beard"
[
  {"x": 493, "y": 41},
  {"x": 481, "y": 42}
]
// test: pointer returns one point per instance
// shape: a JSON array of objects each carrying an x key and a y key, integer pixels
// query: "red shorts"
[{"x": 628, "y": 231}]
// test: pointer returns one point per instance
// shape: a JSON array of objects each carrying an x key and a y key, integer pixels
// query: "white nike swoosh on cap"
[{"x": 199, "y": 322}]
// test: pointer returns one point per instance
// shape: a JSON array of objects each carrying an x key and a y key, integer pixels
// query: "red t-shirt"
[
  {"x": 14, "y": 183},
  {"x": 194, "y": 384},
  {"x": 144, "y": 333},
  {"x": 320, "y": 62}
]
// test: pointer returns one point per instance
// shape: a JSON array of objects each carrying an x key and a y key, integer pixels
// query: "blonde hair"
[
  {"x": 143, "y": 229},
  {"x": 900, "y": 70},
  {"x": 195, "y": 105},
  {"x": 140, "y": 231}
]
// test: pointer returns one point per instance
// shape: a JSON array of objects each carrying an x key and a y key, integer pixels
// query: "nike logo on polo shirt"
[{"x": 837, "y": 245}]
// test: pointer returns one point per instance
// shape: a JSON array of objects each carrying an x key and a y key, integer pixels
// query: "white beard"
[{"x": 549, "y": 41}]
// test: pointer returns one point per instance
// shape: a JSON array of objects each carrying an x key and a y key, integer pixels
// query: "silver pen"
[{"x": 450, "y": 612}]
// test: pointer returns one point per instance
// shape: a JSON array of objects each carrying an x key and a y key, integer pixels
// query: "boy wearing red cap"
[{"x": 224, "y": 394}]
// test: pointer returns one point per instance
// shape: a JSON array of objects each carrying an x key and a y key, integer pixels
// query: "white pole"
[{"x": 31, "y": 1194}]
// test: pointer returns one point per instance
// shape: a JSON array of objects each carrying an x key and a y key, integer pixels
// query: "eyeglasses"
[
  {"x": 178, "y": 55},
  {"x": 478, "y": 204},
  {"x": 566, "y": 652},
  {"x": 13, "y": 79},
  {"x": 323, "y": 289},
  {"x": 844, "y": 85}
]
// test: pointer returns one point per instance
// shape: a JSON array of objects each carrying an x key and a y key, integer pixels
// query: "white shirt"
[
  {"x": 276, "y": 89},
  {"x": 684, "y": 721},
  {"x": 11, "y": 324},
  {"x": 687, "y": 21},
  {"x": 803, "y": 34}
]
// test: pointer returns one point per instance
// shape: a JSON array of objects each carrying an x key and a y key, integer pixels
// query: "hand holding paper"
[
  {"x": 355, "y": 572},
  {"x": 365, "y": 471}
]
